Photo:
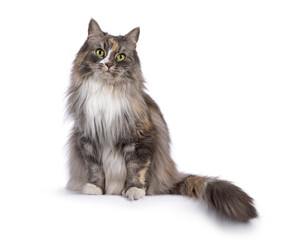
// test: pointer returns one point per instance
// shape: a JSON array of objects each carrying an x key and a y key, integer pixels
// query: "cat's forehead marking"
[{"x": 115, "y": 45}]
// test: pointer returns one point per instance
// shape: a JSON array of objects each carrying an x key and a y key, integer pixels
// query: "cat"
[{"x": 120, "y": 143}]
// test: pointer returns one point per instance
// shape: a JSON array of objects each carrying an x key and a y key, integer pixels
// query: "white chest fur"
[{"x": 105, "y": 110}]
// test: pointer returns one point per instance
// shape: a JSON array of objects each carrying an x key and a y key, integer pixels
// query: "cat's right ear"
[{"x": 94, "y": 29}]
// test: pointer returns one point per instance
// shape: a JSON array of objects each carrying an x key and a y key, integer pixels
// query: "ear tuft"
[{"x": 94, "y": 29}]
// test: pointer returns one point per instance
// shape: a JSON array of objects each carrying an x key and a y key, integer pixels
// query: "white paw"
[
  {"x": 134, "y": 193},
  {"x": 91, "y": 189}
]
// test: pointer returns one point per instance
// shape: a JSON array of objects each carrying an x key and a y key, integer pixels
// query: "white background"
[{"x": 226, "y": 76}]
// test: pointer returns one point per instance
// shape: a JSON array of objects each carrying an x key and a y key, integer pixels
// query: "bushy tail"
[{"x": 226, "y": 198}]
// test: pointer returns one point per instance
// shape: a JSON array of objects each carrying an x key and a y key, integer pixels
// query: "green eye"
[
  {"x": 120, "y": 57},
  {"x": 100, "y": 52}
]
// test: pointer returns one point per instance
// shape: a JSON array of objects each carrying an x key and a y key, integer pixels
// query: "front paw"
[
  {"x": 91, "y": 189},
  {"x": 134, "y": 193}
]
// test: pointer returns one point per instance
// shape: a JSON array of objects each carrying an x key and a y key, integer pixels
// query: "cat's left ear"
[{"x": 132, "y": 37}]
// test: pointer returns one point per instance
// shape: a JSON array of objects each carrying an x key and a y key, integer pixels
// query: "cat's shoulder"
[{"x": 150, "y": 102}]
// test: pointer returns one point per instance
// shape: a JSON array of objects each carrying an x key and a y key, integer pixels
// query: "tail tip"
[{"x": 230, "y": 201}]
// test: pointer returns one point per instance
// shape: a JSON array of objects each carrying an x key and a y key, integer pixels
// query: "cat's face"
[{"x": 106, "y": 57}]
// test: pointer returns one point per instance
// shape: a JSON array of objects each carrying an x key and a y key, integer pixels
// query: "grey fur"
[
  {"x": 229, "y": 200},
  {"x": 120, "y": 140}
]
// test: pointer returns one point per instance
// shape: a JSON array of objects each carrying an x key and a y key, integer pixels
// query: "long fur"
[{"x": 120, "y": 141}]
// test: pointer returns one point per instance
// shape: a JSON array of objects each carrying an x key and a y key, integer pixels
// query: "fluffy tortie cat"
[{"x": 120, "y": 142}]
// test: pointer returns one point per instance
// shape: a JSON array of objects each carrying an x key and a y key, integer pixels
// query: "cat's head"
[{"x": 106, "y": 57}]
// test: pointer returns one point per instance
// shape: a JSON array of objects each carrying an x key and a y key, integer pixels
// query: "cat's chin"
[
  {"x": 107, "y": 73},
  {"x": 107, "y": 76}
]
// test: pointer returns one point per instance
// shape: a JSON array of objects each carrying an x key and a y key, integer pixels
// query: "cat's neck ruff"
[{"x": 105, "y": 108}]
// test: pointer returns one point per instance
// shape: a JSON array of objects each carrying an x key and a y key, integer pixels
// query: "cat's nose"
[{"x": 108, "y": 64}]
